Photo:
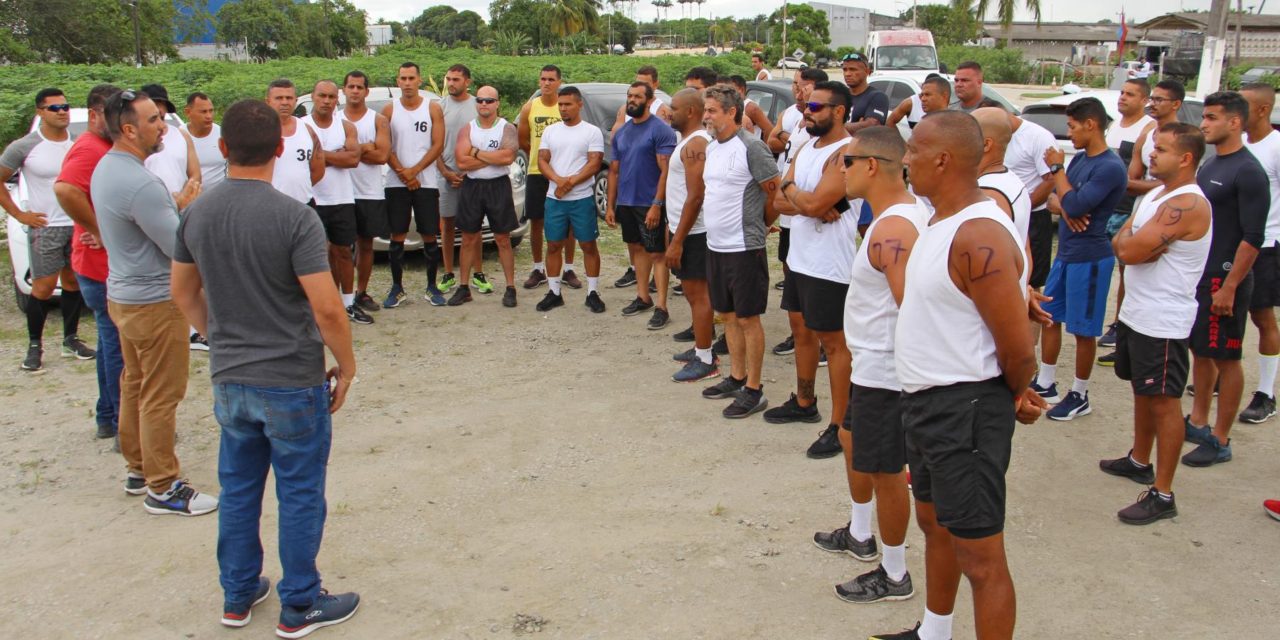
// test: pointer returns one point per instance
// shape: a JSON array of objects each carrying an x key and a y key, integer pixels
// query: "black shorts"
[
  {"x": 874, "y": 420},
  {"x": 1040, "y": 237},
  {"x": 535, "y": 200},
  {"x": 634, "y": 230},
  {"x": 486, "y": 198},
  {"x": 425, "y": 203},
  {"x": 820, "y": 302},
  {"x": 339, "y": 222},
  {"x": 738, "y": 282},
  {"x": 693, "y": 260},
  {"x": 371, "y": 219},
  {"x": 1220, "y": 337},
  {"x": 959, "y": 440},
  {"x": 1153, "y": 366},
  {"x": 1266, "y": 279},
  {"x": 784, "y": 245}
]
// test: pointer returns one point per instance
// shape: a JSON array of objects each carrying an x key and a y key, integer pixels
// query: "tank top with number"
[
  {"x": 335, "y": 187},
  {"x": 410, "y": 141},
  {"x": 488, "y": 140},
  {"x": 540, "y": 117},
  {"x": 292, "y": 174},
  {"x": 366, "y": 179},
  {"x": 678, "y": 188}
]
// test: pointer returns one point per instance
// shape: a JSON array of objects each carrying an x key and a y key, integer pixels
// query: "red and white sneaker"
[{"x": 1272, "y": 508}]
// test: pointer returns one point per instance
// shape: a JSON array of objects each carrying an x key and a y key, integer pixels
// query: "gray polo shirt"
[{"x": 138, "y": 220}]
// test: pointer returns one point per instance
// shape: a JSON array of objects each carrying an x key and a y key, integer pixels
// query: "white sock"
[
  {"x": 703, "y": 354},
  {"x": 568, "y": 267},
  {"x": 540, "y": 266},
  {"x": 193, "y": 332},
  {"x": 895, "y": 561},
  {"x": 1047, "y": 373},
  {"x": 554, "y": 283},
  {"x": 860, "y": 521},
  {"x": 348, "y": 299},
  {"x": 592, "y": 283},
  {"x": 1080, "y": 386},
  {"x": 1267, "y": 374},
  {"x": 935, "y": 627}
]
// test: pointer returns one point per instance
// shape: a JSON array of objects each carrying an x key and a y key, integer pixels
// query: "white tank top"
[
  {"x": 411, "y": 140},
  {"x": 488, "y": 140},
  {"x": 917, "y": 109},
  {"x": 871, "y": 313},
  {"x": 677, "y": 188},
  {"x": 821, "y": 249},
  {"x": 213, "y": 167},
  {"x": 747, "y": 123},
  {"x": 170, "y": 165},
  {"x": 1015, "y": 192},
  {"x": 940, "y": 338},
  {"x": 335, "y": 187},
  {"x": 1160, "y": 296},
  {"x": 292, "y": 174},
  {"x": 366, "y": 179}
]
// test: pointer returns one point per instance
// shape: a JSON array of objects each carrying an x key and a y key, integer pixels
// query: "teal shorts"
[{"x": 580, "y": 215}]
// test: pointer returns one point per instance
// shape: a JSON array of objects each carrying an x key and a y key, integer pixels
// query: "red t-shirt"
[{"x": 77, "y": 171}]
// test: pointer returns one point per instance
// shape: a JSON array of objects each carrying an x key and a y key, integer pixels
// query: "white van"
[{"x": 903, "y": 53}]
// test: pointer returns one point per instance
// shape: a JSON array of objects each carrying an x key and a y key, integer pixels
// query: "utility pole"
[
  {"x": 1239, "y": 27},
  {"x": 1215, "y": 50},
  {"x": 137, "y": 35},
  {"x": 784, "y": 29}
]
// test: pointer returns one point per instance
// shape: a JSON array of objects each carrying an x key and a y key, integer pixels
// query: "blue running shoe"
[
  {"x": 695, "y": 370},
  {"x": 1208, "y": 453},
  {"x": 1194, "y": 434},
  {"x": 1049, "y": 393},
  {"x": 1072, "y": 406},
  {"x": 435, "y": 297},
  {"x": 238, "y": 615},
  {"x": 326, "y": 611},
  {"x": 394, "y": 297}
]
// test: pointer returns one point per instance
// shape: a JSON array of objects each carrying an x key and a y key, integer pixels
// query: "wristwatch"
[{"x": 1055, "y": 168}]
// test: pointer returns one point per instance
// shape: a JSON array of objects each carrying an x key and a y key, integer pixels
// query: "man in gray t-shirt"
[
  {"x": 137, "y": 219},
  {"x": 459, "y": 108}
]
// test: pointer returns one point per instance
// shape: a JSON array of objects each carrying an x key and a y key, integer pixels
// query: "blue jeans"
[
  {"x": 286, "y": 430},
  {"x": 110, "y": 362}
]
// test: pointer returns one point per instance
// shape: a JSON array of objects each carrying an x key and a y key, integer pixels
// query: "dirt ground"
[{"x": 499, "y": 472}]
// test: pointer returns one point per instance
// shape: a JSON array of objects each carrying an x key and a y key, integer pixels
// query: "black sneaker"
[
  {"x": 594, "y": 303},
  {"x": 366, "y": 302},
  {"x": 135, "y": 484},
  {"x": 637, "y": 306},
  {"x": 509, "y": 298},
  {"x": 906, "y": 634},
  {"x": 791, "y": 411},
  {"x": 786, "y": 347},
  {"x": 105, "y": 431},
  {"x": 74, "y": 347},
  {"x": 678, "y": 289},
  {"x": 1261, "y": 408},
  {"x": 822, "y": 357},
  {"x": 1108, "y": 339},
  {"x": 747, "y": 403},
  {"x": 827, "y": 444},
  {"x": 239, "y": 615},
  {"x": 461, "y": 296},
  {"x": 628, "y": 279},
  {"x": 659, "y": 319},
  {"x": 198, "y": 342},
  {"x": 779, "y": 285},
  {"x": 1125, "y": 468},
  {"x": 875, "y": 586},
  {"x": 727, "y": 388},
  {"x": 35, "y": 355},
  {"x": 653, "y": 286},
  {"x": 1108, "y": 360},
  {"x": 1149, "y": 508},
  {"x": 841, "y": 541},
  {"x": 326, "y": 611},
  {"x": 358, "y": 316},
  {"x": 721, "y": 346},
  {"x": 550, "y": 301},
  {"x": 684, "y": 336}
]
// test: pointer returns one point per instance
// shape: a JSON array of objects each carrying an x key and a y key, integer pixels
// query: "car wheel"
[
  {"x": 601, "y": 193},
  {"x": 21, "y": 298}
]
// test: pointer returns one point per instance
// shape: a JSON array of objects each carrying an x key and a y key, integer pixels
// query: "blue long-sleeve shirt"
[{"x": 1097, "y": 185}]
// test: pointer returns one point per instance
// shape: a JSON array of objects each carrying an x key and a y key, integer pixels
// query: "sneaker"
[
  {"x": 594, "y": 303},
  {"x": 366, "y": 302},
  {"x": 509, "y": 297},
  {"x": 827, "y": 444},
  {"x": 906, "y": 634},
  {"x": 721, "y": 346},
  {"x": 435, "y": 297},
  {"x": 786, "y": 347},
  {"x": 1191, "y": 390},
  {"x": 628, "y": 279},
  {"x": 1261, "y": 408},
  {"x": 180, "y": 500},
  {"x": 779, "y": 285},
  {"x": 1108, "y": 339},
  {"x": 747, "y": 403},
  {"x": 1049, "y": 393},
  {"x": 326, "y": 611},
  {"x": 74, "y": 347},
  {"x": 695, "y": 370},
  {"x": 1149, "y": 508},
  {"x": 1208, "y": 453},
  {"x": 105, "y": 431},
  {"x": 791, "y": 411},
  {"x": 1125, "y": 468},
  {"x": 678, "y": 289},
  {"x": 1073, "y": 406},
  {"x": 34, "y": 356},
  {"x": 688, "y": 355},
  {"x": 636, "y": 307},
  {"x": 659, "y": 319},
  {"x": 822, "y": 357},
  {"x": 358, "y": 316},
  {"x": 536, "y": 278},
  {"x": 1194, "y": 434},
  {"x": 135, "y": 484},
  {"x": 875, "y": 586},
  {"x": 394, "y": 297},
  {"x": 550, "y": 301},
  {"x": 570, "y": 279},
  {"x": 1108, "y": 360},
  {"x": 841, "y": 541},
  {"x": 684, "y": 336},
  {"x": 481, "y": 283},
  {"x": 239, "y": 615},
  {"x": 1272, "y": 507},
  {"x": 726, "y": 388},
  {"x": 653, "y": 286},
  {"x": 461, "y": 296},
  {"x": 448, "y": 282}
]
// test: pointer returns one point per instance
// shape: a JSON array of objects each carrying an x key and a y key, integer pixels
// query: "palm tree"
[
  {"x": 510, "y": 42},
  {"x": 700, "y": 3},
  {"x": 1004, "y": 12},
  {"x": 573, "y": 16},
  {"x": 724, "y": 31}
]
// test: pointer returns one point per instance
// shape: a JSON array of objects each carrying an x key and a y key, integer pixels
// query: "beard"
[
  {"x": 635, "y": 112},
  {"x": 817, "y": 130}
]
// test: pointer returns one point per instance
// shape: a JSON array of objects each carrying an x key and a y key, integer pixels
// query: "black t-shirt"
[
  {"x": 1237, "y": 188},
  {"x": 872, "y": 103}
]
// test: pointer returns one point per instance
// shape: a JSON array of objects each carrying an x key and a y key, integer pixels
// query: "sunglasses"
[
  {"x": 857, "y": 57},
  {"x": 850, "y": 159},
  {"x": 57, "y": 108},
  {"x": 486, "y": 100},
  {"x": 816, "y": 107}
]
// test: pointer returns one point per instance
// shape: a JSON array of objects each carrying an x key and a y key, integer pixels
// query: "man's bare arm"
[
  {"x": 888, "y": 248},
  {"x": 76, "y": 204},
  {"x": 188, "y": 294},
  {"x": 1178, "y": 218},
  {"x": 335, "y": 331}
]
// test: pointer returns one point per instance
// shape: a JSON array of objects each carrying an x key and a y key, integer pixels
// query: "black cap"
[{"x": 159, "y": 94}]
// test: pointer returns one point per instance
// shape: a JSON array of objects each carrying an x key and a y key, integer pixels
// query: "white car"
[
  {"x": 792, "y": 63},
  {"x": 1052, "y": 114},
  {"x": 899, "y": 88}
]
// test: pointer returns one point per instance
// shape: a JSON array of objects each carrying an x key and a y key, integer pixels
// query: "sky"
[{"x": 1056, "y": 10}]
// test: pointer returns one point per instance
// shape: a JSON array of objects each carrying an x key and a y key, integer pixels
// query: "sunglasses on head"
[
  {"x": 816, "y": 107},
  {"x": 486, "y": 100},
  {"x": 849, "y": 159},
  {"x": 57, "y": 108}
]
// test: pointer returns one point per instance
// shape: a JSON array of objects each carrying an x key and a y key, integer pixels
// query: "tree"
[
  {"x": 806, "y": 27},
  {"x": 573, "y": 16},
  {"x": 86, "y": 31},
  {"x": 1004, "y": 11},
  {"x": 949, "y": 24},
  {"x": 625, "y": 31},
  {"x": 525, "y": 17},
  {"x": 724, "y": 31},
  {"x": 510, "y": 43},
  {"x": 258, "y": 25}
]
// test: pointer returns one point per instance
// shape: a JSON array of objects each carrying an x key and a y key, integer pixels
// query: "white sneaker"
[{"x": 181, "y": 499}]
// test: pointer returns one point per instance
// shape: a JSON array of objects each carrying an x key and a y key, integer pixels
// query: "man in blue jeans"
[{"x": 251, "y": 271}]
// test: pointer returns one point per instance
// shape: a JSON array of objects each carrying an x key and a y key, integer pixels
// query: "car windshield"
[
  {"x": 906, "y": 57},
  {"x": 1052, "y": 118}
]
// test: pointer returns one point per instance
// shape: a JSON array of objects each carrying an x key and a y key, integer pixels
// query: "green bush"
[
  {"x": 1231, "y": 77},
  {"x": 1005, "y": 66}
]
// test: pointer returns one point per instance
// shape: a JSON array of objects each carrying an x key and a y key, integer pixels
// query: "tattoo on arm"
[
  {"x": 978, "y": 272},
  {"x": 892, "y": 245},
  {"x": 1171, "y": 214},
  {"x": 1165, "y": 241}
]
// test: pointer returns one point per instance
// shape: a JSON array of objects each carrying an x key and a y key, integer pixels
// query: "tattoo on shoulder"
[
  {"x": 1171, "y": 214},
  {"x": 893, "y": 246},
  {"x": 979, "y": 263}
]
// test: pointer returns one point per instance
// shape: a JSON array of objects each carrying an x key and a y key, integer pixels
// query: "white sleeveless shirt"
[
  {"x": 366, "y": 179},
  {"x": 170, "y": 165},
  {"x": 678, "y": 188},
  {"x": 213, "y": 167},
  {"x": 488, "y": 140},
  {"x": 871, "y": 313},
  {"x": 410, "y": 141},
  {"x": 1015, "y": 191},
  {"x": 292, "y": 173},
  {"x": 335, "y": 187},
  {"x": 1160, "y": 296},
  {"x": 940, "y": 339},
  {"x": 821, "y": 249}
]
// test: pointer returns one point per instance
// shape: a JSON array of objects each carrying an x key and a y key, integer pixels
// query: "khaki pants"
[{"x": 154, "y": 339}]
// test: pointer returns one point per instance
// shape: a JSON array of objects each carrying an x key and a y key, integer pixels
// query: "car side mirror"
[{"x": 942, "y": 66}]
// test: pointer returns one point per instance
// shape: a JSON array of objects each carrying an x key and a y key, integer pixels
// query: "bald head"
[
  {"x": 686, "y": 110},
  {"x": 955, "y": 133},
  {"x": 687, "y": 97},
  {"x": 487, "y": 91},
  {"x": 944, "y": 154},
  {"x": 325, "y": 86},
  {"x": 994, "y": 123}
]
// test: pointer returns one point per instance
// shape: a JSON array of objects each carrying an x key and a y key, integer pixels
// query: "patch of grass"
[
  {"x": 1041, "y": 96},
  {"x": 718, "y": 510}
]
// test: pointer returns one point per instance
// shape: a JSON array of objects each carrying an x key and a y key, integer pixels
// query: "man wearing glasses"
[
  {"x": 1166, "y": 99},
  {"x": 870, "y": 106},
  {"x": 39, "y": 155}
]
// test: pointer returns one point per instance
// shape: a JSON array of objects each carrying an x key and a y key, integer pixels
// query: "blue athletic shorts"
[
  {"x": 1079, "y": 291},
  {"x": 578, "y": 214}
]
